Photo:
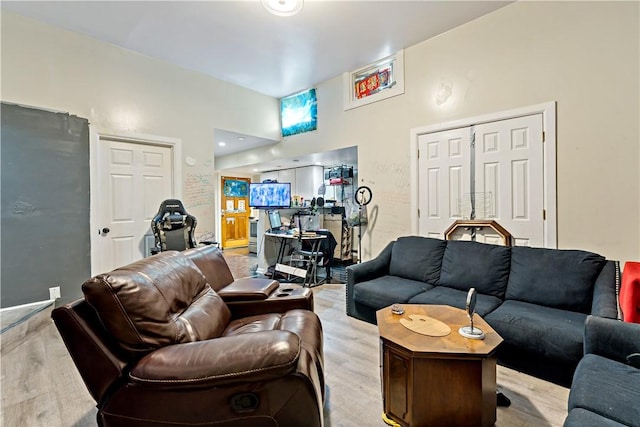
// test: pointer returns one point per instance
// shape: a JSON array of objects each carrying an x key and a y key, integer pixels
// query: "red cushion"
[{"x": 630, "y": 292}]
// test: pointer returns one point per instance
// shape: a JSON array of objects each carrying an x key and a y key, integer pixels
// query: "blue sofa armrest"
[
  {"x": 605, "y": 291},
  {"x": 612, "y": 339},
  {"x": 376, "y": 267}
]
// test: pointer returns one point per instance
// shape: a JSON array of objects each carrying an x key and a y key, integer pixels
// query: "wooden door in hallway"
[{"x": 235, "y": 212}]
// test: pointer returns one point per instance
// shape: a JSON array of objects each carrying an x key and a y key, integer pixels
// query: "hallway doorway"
[{"x": 235, "y": 212}]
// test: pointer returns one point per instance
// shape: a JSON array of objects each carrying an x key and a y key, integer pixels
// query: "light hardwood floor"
[{"x": 41, "y": 387}]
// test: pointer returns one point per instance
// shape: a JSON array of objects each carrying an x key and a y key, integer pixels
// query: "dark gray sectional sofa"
[
  {"x": 606, "y": 386},
  {"x": 536, "y": 299}
]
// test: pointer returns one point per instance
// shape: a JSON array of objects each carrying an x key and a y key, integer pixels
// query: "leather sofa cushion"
[
  {"x": 608, "y": 388},
  {"x": 417, "y": 258},
  {"x": 441, "y": 295},
  {"x": 211, "y": 262},
  {"x": 555, "y": 278},
  {"x": 468, "y": 265},
  {"x": 157, "y": 301},
  {"x": 548, "y": 332},
  {"x": 386, "y": 290}
]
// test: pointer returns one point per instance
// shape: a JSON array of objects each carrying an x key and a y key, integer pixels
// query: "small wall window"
[{"x": 374, "y": 82}]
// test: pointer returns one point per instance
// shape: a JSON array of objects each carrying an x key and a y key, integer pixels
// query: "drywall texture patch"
[{"x": 45, "y": 204}]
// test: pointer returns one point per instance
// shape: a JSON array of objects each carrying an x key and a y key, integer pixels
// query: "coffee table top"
[{"x": 454, "y": 344}]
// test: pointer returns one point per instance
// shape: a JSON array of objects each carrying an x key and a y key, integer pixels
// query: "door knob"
[{"x": 106, "y": 230}]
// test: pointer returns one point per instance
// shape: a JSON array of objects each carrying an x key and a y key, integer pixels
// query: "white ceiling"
[{"x": 241, "y": 43}]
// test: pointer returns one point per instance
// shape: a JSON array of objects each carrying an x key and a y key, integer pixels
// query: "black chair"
[
  {"x": 173, "y": 228},
  {"x": 327, "y": 247},
  {"x": 312, "y": 257}
]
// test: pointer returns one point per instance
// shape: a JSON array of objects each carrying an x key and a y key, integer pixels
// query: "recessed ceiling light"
[
  {"x": 222, "y": 143},
  {"x": 241, "y": 138},
  {"x": 295, "y": 160},
  {"x": 283, "y": 7}
]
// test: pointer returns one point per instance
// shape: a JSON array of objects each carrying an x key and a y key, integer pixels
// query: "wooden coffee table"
[{"x": 437, "y": 381}]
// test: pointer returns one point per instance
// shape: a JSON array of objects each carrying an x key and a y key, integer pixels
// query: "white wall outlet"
[{"x": 54, "y": 293}]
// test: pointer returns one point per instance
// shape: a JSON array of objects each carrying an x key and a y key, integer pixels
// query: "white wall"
[
  {"x": 583, "y": 55},
  {"x": 123, "y": 92}
]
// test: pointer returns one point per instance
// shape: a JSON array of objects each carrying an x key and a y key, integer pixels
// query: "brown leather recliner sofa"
[{"x": 157, "y": 345}]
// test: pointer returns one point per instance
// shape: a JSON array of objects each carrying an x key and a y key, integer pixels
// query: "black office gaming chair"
[{"x": 173, "y": 228}]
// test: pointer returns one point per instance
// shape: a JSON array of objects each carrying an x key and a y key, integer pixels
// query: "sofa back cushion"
[
  {"x": 554, "y": 278},
  {"x": 157, "y": 301},
  {"x": 417, "y": 258},
  {"x": 211, "y": 263},
  {"x": 468, "y": 265}
]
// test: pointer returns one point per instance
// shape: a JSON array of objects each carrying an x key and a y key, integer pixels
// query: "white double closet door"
[{"x": 489, "y": 171}]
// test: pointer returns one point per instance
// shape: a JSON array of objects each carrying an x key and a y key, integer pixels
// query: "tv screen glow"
[
  {"x": 299, "y": 113},
  {"x": 270, "y": 195}
]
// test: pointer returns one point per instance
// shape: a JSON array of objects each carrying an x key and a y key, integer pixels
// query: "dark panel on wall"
[{"x": 45, "y": 204}]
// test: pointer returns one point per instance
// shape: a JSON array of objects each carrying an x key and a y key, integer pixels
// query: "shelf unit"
[{"x": 340, "y": 179}]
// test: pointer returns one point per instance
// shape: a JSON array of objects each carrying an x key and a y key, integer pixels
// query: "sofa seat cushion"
[
  {"x": 579, "y": 417},
  {"x": 548, "y": 332},
  {"x": 468, "y": 265},
  {"x": 417, "y": 258},
  {"x": 441, "y": 295},
  {"x": 383, "y": 291},
  {"x": 607, "y": 388},
  {"x": 304, "y": 323},
  {"x": 555, "y": 278}
]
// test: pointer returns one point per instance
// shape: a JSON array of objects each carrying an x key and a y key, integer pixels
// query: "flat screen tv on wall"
[
  {"x": 299, "y": 113},
  {"x": 270, "y": 195}
]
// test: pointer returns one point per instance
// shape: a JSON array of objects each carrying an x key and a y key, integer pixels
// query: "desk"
[{"x": 307, "y": 274}]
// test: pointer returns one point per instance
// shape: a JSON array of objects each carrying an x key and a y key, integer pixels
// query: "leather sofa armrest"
[
  {"x": 376, "y": 267},
  {"x": 92, "y": 349},
  {"x": 248, "y": 288},
  {"x": 605, "y": 291},
  {"x": 611, "y": 338},
  {"x": 280, "y": 301},
  {"x": 257, "y": 356}
]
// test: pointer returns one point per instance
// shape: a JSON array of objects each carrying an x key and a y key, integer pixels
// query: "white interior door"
[
  {"x": 509, "y": 177},
  {"x": 444, "y": 159},
  {"x": 134, "y": 178},
  {"x": 499, "y": 164}
]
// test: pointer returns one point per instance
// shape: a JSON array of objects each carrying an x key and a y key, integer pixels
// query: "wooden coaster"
[{"x": 426, "y": 325}]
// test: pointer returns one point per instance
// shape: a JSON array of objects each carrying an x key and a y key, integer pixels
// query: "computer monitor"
[{"x": 274, "y": 220}]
